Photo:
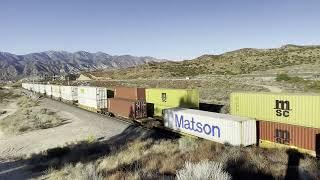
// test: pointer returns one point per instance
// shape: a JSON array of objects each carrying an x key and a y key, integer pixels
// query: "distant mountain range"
[{"x": 57, "y": 62}]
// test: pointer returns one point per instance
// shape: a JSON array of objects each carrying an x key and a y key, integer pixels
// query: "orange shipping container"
[
  {"x": 127, "y": 108},
  {"x": 304, "y": 138},
  {"x": 130, "y": 93}
]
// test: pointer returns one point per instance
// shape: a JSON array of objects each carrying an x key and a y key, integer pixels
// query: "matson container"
[
  {"x": 132, "y": 109},
  {"x": 305, "y": 139},
  {"x": 56, "y": 93},
  {"x": 221, "y": 128},
  {"x": 93, "y": 98},
  {"x": 42, "y": 88},
  {"x": 130, "y": 93},
  {"x": 69, "y": 93},
  {"x": 48, "y": 90},
  {"x": 295, "y": 109},
  {"x": 171, "y": 98}
]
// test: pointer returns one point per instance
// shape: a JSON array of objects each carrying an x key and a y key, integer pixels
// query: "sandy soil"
[{"x": 80, "y": 125}]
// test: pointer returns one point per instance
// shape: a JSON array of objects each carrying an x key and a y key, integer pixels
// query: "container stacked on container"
[
  {"x": 128, "y": 103},
  {"x": 170, "y": 98},
  {"x": 221, "y": 128},
  {"x": 285, "y": 120},
  {"x": 93, "y": 98},
  {"x": 69, "y": 93}
]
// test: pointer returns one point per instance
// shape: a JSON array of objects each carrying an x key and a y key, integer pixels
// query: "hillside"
[
  {"x": 243, "y": 61},
  {"x": 55, "y": 62}
]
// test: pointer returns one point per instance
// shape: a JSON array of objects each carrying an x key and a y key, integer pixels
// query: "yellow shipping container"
[
  {"x": 295, "y": 109},
  {"x": 170, "y": 98}
]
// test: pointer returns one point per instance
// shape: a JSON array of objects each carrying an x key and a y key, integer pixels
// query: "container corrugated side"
[
  {"x": 290, "y": 135},
  {"x": 130, "y": 93},
  {"x": 170, "y": 98},
  {"x": 48, "y": 90},
  {"x": 69, "y": 93},
  {"x": 132, "y": 109},
  {"x": 56, "y": 91},
  {"x": 221, "y": 128},
  {"x": 295, "y": 109},
  {"x": 42, "y": 88},
  {"x": 95, "y": 97}
]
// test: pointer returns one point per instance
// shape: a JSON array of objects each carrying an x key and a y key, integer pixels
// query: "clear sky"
[{"x": 173, "y": 29}]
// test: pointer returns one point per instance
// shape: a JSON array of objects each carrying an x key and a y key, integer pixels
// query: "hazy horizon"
[{"x": 173, "y": 30}]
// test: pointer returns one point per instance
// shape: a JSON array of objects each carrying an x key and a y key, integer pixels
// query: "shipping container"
[
  {"x": 295, "y": 109},
  {"x": 48, "y": 90},
  {"x": 132, "y": 109},
  {"x": 303, "y": 138},
  {"x": 171, "y": 98},
  {"x": 42, "y": 88},
  {"x": 221, "y": 128},
  {"x": 69, "y": 93},
  {"x": 130, "y": 93},
  {"x": 36, "y": 88},
  {"x": 56, "y": 93},
  {"x": 93, "y": 98}
]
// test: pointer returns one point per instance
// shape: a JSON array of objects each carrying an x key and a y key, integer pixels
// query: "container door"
[{"x": 318, "y": 145}]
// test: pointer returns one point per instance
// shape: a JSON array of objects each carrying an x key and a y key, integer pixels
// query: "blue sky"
[{"x": 173, "y": 29}]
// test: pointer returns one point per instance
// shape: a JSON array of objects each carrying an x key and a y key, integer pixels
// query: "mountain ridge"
[{"x": 50, "y": 62}]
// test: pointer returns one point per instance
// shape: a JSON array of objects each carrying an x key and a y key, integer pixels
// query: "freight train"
[{"x": 264, "y": 119}]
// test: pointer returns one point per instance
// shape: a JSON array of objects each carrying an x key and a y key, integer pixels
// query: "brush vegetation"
[
  {"x": 28, "y": 117},
  {"x": 170, "y": 159},
  {"x": 243, "y": 61}
]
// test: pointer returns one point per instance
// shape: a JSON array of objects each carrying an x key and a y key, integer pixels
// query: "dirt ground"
[{"x": 81, "y": 125}]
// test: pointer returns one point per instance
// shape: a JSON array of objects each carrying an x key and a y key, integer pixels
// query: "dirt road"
[{"x": 81, "y": 125}]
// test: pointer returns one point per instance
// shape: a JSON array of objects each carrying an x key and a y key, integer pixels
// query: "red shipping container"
[
  {"x": 127, "y": 108},
  {"x": 292, "y": 135},
  {"x": 130, "y": 93}
]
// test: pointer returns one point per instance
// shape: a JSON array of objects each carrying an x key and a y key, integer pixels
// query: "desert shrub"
[
  {"x": 205, "y": 170},
  {"x": 28, "y": 119},
  {"x": 282, "y": 77},
  {"x": 79, "y": 171},
  {"x": 187, "y": 143}
]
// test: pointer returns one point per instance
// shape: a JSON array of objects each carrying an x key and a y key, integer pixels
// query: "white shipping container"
[
  {"x": 48, "y": 90},
  {"x": 69, "y": 93},
  {"x": 42, "y": 88},
  {"x": 56, "y": 91},
  {"x": 221, "y": 128},
  {"x": 36, "y": 88},
  {"x": 94, "y": 97}
]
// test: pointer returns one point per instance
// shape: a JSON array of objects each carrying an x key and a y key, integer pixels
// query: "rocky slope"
[{"x": 56, "y": 62}]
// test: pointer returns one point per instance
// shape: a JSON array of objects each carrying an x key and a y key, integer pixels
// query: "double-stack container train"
[
  {"x": 264, "y": 119},
  {"x": 285, "y": 119},
  {"x": 93, "y": 98}
]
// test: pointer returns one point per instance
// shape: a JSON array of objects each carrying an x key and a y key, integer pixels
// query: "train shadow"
[{"x": 83, "y": 152}]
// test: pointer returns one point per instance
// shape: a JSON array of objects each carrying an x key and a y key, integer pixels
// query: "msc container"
[
  {"x": 48, "y": 90},
  {"x": 130, "y": 93},
  {"x": 295, "y": 109},
  {"x": 221, "y": 128},
  {"x": 42, "y": 88},
  {"x": 93, "y": 98},
  {"x": 56, "y": 93},
  {"x": 171, "y": 98},
  {"x": 69, "y": 93},
  {"x": 273, "y": 134},
  {"x": 132, "y": 109}
]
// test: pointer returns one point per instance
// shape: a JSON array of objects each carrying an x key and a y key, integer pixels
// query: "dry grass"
[
  {"x": 29, "y": 118},
  {"x": 167, "y": 159}
]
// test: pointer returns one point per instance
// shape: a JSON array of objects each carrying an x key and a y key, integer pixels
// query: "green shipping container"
[
  {"x": 170, "y": 98},
  {"x": 295, "y": 109}
]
